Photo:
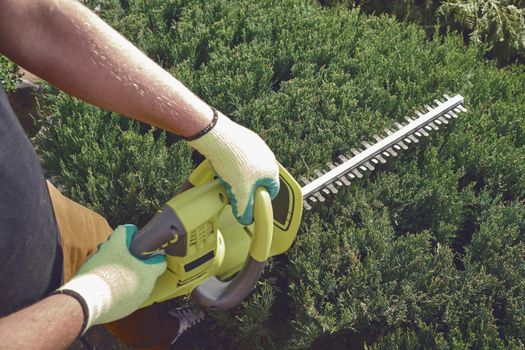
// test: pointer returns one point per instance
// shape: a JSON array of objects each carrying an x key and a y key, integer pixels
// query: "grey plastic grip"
[
  {"x": 214, "y": 293},
  {"x": 154, "y": 238}
]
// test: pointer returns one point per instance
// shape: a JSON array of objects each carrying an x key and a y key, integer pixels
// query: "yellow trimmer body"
[{"x": 210, "y": 255}]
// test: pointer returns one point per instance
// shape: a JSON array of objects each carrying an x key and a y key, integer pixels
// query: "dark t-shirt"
[{"x": 30, "y": 253}]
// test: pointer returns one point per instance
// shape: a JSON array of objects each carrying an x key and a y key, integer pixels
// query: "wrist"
[
  {"x": 83, "y": 306},
  {"x": 206, "y": 129},
  {"x": 217, "y": 143}
]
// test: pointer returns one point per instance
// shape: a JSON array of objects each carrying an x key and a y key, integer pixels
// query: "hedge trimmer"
[{"x": 218, "y": 261}]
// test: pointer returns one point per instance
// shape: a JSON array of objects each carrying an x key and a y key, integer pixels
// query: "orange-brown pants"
[{"x": 81, "y": 231}]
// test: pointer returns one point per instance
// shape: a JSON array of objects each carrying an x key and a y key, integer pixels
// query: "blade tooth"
[
  {"x": 433, "y": 126},
  {"x": 306, "y": 205},
  {"x": 447, "y": 116},
  {"x": 457, "y": 110},
  {"x": 407, "y": 140},
  {"x": 330, "y": 165},
  {"x": 443, "y": 120},
  {"x": 392, "y": 152},
  {"x": 428, "y": 128},
  {"x": 420, "y": 114},
  {"x": 375, "y": 161},
  {"x": 312, "y": 199},
  {"x": 338, "y": 183},
  {"x": 366, "y": 144},
  {"x": 355, "y": 151},
  {"x": 408, "y": 119},
  {"x": 357, "y": 173},
  {"x": 399, "y": 125},
  {"x": 345, "y": 181},
  {"x": 462, "y": 108},
  {"x": 342, "y": 159},
  {"x": 423, "y": 132},
  {"x": 381, "y": 159},
  {"x": 429, "y": 108},
  {"x": 454, "y": 115},
  {"x": 378, "y": 138},
  {"x": 350, "y": 175},
  {"x": 332, "y": 188},
  {"x": 318, "y": 172},
  {"x": 319, "y": 196},
  {"x": 413, "y": 138},
  {"x": 418, "y": 134},
  {"x": 438, "y": 122},
  {"x": 304, "y": 180},
  {"x": 325, "y": 190},
  {"x": 363, "y": 168},
  {"x": 369, "y": 166},
  {"x": 438, "y": 102},
  {"x": 402, "y": 144},
  {"x": 386, "y": 154},
  {"x": 447, "y": 96},
  {"x": 397, "y": 147},
  {"x": 388, "y": 131}
]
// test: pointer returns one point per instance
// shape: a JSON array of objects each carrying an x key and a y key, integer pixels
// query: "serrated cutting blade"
[{"x": 407, "y": 135}]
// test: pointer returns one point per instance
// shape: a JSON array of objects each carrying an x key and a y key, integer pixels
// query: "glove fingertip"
[
  {"x": 246, "y": 218},
  {"x": 130, "y": 231},
  {"x": 156, "y": 259},
  {"x": 273, "y": 188}
]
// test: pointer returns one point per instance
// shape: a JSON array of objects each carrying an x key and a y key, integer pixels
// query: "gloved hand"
[
  {"x": 113, "y": 283},
  {"x": 243, "y": 162}
]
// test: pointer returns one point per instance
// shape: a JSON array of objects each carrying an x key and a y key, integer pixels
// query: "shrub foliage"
[
  {"x": 107, "y": 162},
  {"x": 497, "y": 25},
  {"x": 8, "y": 74},
  {"x": 425, "y": 253}
]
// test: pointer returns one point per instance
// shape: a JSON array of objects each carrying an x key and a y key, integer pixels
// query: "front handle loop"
[{"x": 214, "y": 293}]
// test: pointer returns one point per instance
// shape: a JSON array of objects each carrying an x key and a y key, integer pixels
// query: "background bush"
[
  {"x": 498, "y": 26},
  {"x": 427, "y": 252},
  {"x": 8, "y": 74}
]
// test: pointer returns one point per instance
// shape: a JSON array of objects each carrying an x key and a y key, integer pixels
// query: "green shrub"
[
  {"x": 498, "y": 26},
  {"x": 425, "y": 253},
  {"x": 8, "y": 74},
  {"x": 106, "y": 163}
]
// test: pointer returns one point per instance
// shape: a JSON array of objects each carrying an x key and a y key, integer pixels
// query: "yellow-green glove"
[
  {"x": 113, "y": 283},
  {"x": 243, "y": 162}
]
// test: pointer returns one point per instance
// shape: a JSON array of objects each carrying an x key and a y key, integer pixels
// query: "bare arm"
[
  {"x": 66, "y": 44},
  {"x": 52, "y": 323}
]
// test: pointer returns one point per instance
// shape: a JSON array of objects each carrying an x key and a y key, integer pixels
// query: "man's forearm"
[
  {"x": 53, "y": 323},
  {"x": 69, "y": 46}
]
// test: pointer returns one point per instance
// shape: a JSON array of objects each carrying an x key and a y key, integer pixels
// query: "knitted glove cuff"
[{"x": 93, "y": 294}]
